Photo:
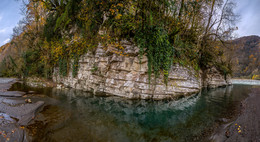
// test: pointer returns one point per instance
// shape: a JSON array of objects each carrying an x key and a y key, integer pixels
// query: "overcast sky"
[{"x": 249, "y": 10}]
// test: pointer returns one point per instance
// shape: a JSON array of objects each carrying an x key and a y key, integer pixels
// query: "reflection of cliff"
[
  {"x": 136, "y": 120},
  {"x": 220, "y": 92},
  {"x": 140, "y": 112},
  {"x": 247, "y": 51}
]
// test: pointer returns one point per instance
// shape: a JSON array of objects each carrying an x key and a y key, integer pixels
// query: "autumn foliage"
[{"x": 187, "y": 32}]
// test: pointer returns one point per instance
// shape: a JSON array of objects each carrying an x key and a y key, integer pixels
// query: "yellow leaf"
[{"x": 118, "y": 16}]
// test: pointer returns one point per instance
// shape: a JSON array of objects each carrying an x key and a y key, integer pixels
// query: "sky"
[
  {"x": 249, "y": 11},
  {"x": 249, "y": 24},
  {"x": 10, "y": 14}
]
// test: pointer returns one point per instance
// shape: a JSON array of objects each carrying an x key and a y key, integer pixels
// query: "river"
[{"x": 80, "y": 116}]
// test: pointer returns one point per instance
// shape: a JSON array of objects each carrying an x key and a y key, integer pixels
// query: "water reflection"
[{"x": 91, "y": 118}]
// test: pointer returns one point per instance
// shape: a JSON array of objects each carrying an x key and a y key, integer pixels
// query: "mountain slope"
[{"x": 247, "y": 56}]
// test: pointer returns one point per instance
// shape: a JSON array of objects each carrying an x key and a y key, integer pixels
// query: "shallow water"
[
  {"x": 80, "y": 116},
  {"x": 245, "y": 81}
]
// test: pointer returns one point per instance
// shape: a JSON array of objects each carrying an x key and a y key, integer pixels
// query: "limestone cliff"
[{"x": 107, "y": 73}]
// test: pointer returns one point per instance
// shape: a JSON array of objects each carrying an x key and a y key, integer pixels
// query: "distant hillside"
[
  {"x": 247, "y": 54},
  {"x": 4, "y": 50},
  {"x": 10, "y": 59}
]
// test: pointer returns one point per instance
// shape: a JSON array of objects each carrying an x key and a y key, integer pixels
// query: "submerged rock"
[
  {"x": 17, "y": 110},
  {"x": 24, "y": 112},
  {"x": 12, "y": 102},
  {"x": 10, "y": 131}
]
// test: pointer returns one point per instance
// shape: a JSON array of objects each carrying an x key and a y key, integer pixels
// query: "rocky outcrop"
[
  {"x": 11, "y": 94},
  {"x": 24, "y": 112},
  {"x": 212, "y": 78},
  {"x": 39, "y": 82},
  {"x": 13, "y": 103},
  {"x": 120, "y": 72}
]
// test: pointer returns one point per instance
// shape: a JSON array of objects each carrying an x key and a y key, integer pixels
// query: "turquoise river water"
[{"x": 75, "y": 116}]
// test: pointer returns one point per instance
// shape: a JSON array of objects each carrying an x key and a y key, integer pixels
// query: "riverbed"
[{"x": 80, "y": 116}]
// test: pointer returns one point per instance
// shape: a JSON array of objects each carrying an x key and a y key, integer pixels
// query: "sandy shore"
[{"x": 246, "y": 128}]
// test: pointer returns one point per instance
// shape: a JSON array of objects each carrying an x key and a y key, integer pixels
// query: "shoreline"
[
  {"x": 17, "y": 111},
  {"x": 245, "y": 124}
]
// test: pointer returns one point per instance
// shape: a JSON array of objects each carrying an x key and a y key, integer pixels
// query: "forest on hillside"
[
  {"x": 247, "y": 57},
  {"x": 53, "y": 33}
]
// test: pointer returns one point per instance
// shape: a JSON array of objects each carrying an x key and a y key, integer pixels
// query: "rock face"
[
  {"x": 120, "y": 72},
  {"x": 212, "y": 78}
]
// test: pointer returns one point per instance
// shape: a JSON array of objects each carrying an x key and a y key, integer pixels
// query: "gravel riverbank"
[{"x": 246, "y": 128}]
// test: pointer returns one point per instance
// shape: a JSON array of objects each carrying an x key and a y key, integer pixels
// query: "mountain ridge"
[{"x": 247, "y": 56}]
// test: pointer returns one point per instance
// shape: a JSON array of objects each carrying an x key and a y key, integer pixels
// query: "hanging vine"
[{"x": 153, "y": 42}]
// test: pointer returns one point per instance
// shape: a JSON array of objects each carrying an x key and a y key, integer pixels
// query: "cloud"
[
  {"x": 3, "y": 30},
  {"x": 6, "y": 41},
  {"x": 6, "y": 30}
]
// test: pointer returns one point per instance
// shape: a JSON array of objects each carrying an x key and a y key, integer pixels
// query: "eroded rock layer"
[{"x": 120, "y": 72}]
